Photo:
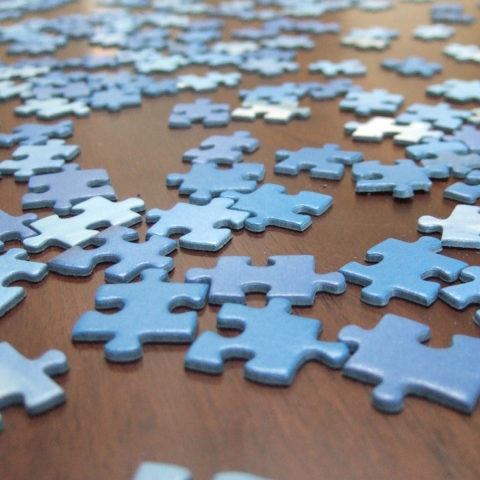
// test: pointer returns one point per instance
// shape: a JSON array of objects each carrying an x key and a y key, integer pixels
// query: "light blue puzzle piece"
[
  {"x": 145, "y": 316},
  {"x": 441, "y": 115},
  {"x": 468, "y": 192},
  {"x": 413, "y": 65},
  {"x": 377, "y": 101},
  {"x": 392, "y": 357},
  {"x": 270, "y": 205},
  {"x": 275, "y": 343},
  {"x": 447, "y": 163},
  {"x": 331, "y": 69},
  {"x": 15, "y": 228},
  {"x": 469, "y": 135},
  {"x": 432, "y": 148},
  {"x": 286, "y": 92},
  {"x": 202, "y": 110},
  {"x": 457, "y": 90},
  {"x": 36, "y": 133}
]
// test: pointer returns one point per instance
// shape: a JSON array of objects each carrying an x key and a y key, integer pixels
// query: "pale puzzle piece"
[
  {"x": 270, "y": 205},
  {"x": 275, "y": 343},
  {"x": 289, "y": 42},
  {"x": 365, "y": 43},
  {"x": 457, "y": 90},
  {"x": 438, "y": 31},
  {"x": 28, "y": 381},
  {"x": 116, "y": 245},
  {"x": 202, "y": 110},
  {"x": 351, "y": 67},
  {"x": 400, "y": 271},
  {"x": 269, "y": 67},
  {"x": 145, "y": 315},
  {"x": 463, "y": 53},
  {"x": 284, "y": 93},
  {"x": 367, "y": 103},
  {"x": 93, "y": 213},
  {"x": 15, "y": 228},
  {"x": 271, "y": 113},
  {"x": 469, "y": 135},
  {"x": 291, "y": 277},
  {"x": 53, "y": 108},
  {"x": 392, "y": 357},
  {"x": 205, "y": 227},
  {"x": 461, "y": 229}
]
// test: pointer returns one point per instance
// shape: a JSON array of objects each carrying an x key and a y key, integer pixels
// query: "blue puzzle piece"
[
  {"x": 431, "y": 148},
  {"x": 469, "y": 135},
  {"x": 450, "y": 162},
  {"x": 64, "y": 189},
  {"x": 116, "y": 244},
  {"x": 332, "y": 89},
  {"x": 114, "y": 99},
  {"x": 269, "y": 67},
  {"x": 287, "y": 92},
  {"x": 331, "y": 69},
  {"x": 203, "y": 110},
  {"x": 270, "y": 205},
  {"x": 15, "y": 228},
  {"x": 457, "y": 90},
  {"x": 468, "y": 192},
  {"x": 326, "y": 162},
  {"x": 450, "y": 13},
  {"x": 145, "y": 316},
  {"x": 392, "y": 356},
  {"x": 413, "y": 66},
  {"x": 400, "y": 271},
  {"x": 36, "y": 133},
  {"x": 291, "y": 277},
  {"x": 368, "y": 103},
  {"x": 275, "y": 343},
  {"x": 402, "y": 179},
  {"x": 206, "y": 180},
  {"x": 157, "y": 89}
]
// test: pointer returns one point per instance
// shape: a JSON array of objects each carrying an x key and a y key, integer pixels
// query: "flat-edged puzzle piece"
[
  {"x": 291, "y": 277},
  {"x": 223, "y": 149},
  {"x": 346, "y": 67},
  {"x": 206, "y": 227},
  {"x": 400, "y": 271},
  {"x": 36, "y": 133},
  {"x": 431, "y": 148},
  {"x": 29, "y": 160},
  {"x": 450, "y": 162},
  {"x": 275, "y": 343},
  {"x": 206, "y": 180},
  {"x": 457, "y": 90},
  {"x": 438, "y": 31},
  {"x": 469, "y": 135},
  {"x": 14, "y": 266},
  {"x": 269, "y": 67},
  {"x": 93, "y": 213},
  {"x": 402, "y": 179},
  {"x": 114, "y": 99},
  {"x": 64, "y": 189},
  {"x": 272, "y": 113},
  {"x": 28, "y": 381},
  {"x": 211, "y": 81},
  {"x": 376, "y": 101},
  {"x": 461, "y": 229},
  {"x": 326, "y": 162},
  {"x": 145, "y": 315},
  {"x": 116, "y": 244},
  {"x": 203, "y": 110},
  {"x": 270, "y": 205},
  {"x": 392, "y": 356},
  {"x": 52, "y": 108},
  {"x": 413, "y": 66},
  {"x": 287, "y": 92},
  {"x": 15, "y": 228}
]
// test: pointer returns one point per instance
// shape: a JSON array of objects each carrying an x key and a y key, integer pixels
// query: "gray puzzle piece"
[
  {"x": 15, "y": 228},
  {"x": 392, "y": 357}
]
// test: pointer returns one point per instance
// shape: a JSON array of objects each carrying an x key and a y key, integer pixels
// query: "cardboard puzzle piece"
[
  {"x": 351, "y": 67},
  {"x": 463, "y": 53},
  {"x": 9, "y": 89},
  {"x": 270, "y": 205},
  {"x": 468, "y": 192},
  {"x": 271, "y": 113},
  {"x": 461, "y": 229},
  {"x": 15, "y": 228},
  {"x": 275, "y": 343},
  {"x": 457, "y": 90},
  {"x": 469, "y": 135},
  {"x": 400, "y": 270},
  {"x": 157, "y": 62},
  {"x": 450, "y": 13},
  {"x": 52, "y": 108},
  {"x": 211, "y": 81},
  {"x": 205, "y": 227},
  {"x": 331, "y": 89},
  {"x": 289, "y": 42},
  {"x": 326, "y": 162},
  {"x": 438, "y": 31},
  {"x": 284, "y": 93},
  {"x": 367, "y": 103},
  {"x": 413, "y": 65},
  {"x": 36, "y": 133},
  {"x": 116, "y": 245},
  {"x": 64, "y": 189},
  {"x": 202, "y": 110},
  {"x": 291, "y": 277},
  {"x": 446, "y": 163},
  {"x": 145, "y": 315},
  {"x": 114, "y": 99},
  {"x": 93, "y": 213},
  {"x": 392, "y": 356},
  {"x": 269, "y": 67},
  {"x": 432, "y": 148},
  {"x": 206, "y": 180}
]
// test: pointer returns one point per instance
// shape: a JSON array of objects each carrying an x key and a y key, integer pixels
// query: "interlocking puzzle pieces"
[
  {"x": 377, "y": 101},
  {"x": 29, "y": 160},
  {"x": 270, "y": 205},
  {"x": 468, "y": 192},
  {"x": 93, "y": 213},
  {"x": 15, "y": 228},
  {"x": 223, "y": 149},
  {"x": 291, "y": 277},
  {"x": 64, "y": 189},
  {"x": 438, "y": 31},
  {"x": 275, "y": 343},
  {"x": 413, "y": 66},
  {"x": 36, "y": 133},
  {"x": 209, "y": 82},
  {"x": 28, "y": 381},
  {"x": 450, "y": 13},
  {"x": 457, "y": 90},
  {"x": 145, "y": 315},
  {"x": 271, "y": 112},
  {"x": 203, "y": 110},
  {"x": 205, "y": 227},
  {"x": 346, "y": 67},
  {"x": 400, "y": 271},
  {"x": 52, "y": 108},
  {"x": 461, "y": 229},
  {"x": 326, "y": 162},
  {"x": 402, "y": 179},
  {"x": 392, "y": 356},
  {"x": 118, "y": 245},
  {"x": 469, "y": 135}
]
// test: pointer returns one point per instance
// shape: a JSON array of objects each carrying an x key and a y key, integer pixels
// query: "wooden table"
[{"x": 324, "y": 425}]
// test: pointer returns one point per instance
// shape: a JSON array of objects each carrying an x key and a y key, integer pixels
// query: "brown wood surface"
[{"x": 323, "y": 426}]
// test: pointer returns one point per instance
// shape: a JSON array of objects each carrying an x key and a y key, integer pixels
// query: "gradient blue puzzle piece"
[
  {"x": 413, "y": 65},
  {"x": 15, "y": 228},
  {"x": 275, "y": 343},
  {"x": 431, "y": 148},
  {"x": 400, "y": 271},
  {"x": 145, "y": 315},
  {"x": 392, "y": 357},
  {"x": 36, "y": 133},
  {"x": 202, "y": 110},
  {"x": 270, "y": 205},
  {"x": 378, "y": 101}
]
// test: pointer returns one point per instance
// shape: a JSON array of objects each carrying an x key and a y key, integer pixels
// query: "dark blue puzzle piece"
[
  {"x": 413, "y": 66},
  {"x": 378, "y": 101},
  {"x": 400, "y": 271},
  {"x": 431, "y": 148},
  {"x": 36, "y": 133},
  {"x": 275, "y": 343},
  {"x": 203, "y": 110},
  {"x": 15, "y": 228}
]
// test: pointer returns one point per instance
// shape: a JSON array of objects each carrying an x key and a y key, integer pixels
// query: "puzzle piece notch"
[
  {"x": 377, "y": 101},
  {"x": 15, "y": 228},
  {"x": 36, "y": 134},
  {"x": 202, "y": 110},
  {"x": 275, "y": 343},
  {"x": 145, "y": 315},
  {"x": 400, "y": 271},
  {"x": 392, "y": 356}
]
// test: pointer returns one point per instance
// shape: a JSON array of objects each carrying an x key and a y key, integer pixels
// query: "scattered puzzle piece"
[
  {"x": 463, "y": 53},
  {"x": 432, "y": 147},
  {"x": 376, "y": 101},
  {"x": 287, "y": 92},
  {"x": 36, "y": 133},
  {"x": 450, "y": 13},
  {"x": 272, "y": 113},
  {"x": 468, "y": 192},
  {"x": 211, "y": 81},
  {"x": 332, "y": 89},
  {"x": 450, "y": 162},
  {"x": 289, "y": 42},
  {"x": 457, "y": 90},
  {"x": 413, "y": 66},
  {"x": 15, "y": 228},
  {"x": 433, "y": 32},
  {"x": 269, "y": 67},
  {"x": 114, "y": 99},
  {"x": 203, "y": 110},
  {"x": 469, "y": 135},
  {"x": 52, "y": 108},
  {"x": 330, "y": 69}
]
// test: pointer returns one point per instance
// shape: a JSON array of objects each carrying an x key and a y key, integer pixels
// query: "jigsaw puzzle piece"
[
  {"x": 413, "y": 65},
  {"x": 330, "y": 69},
  {"x": 376, "y": 101},
  {"x": 115, "y": 99},
  {"x": 206, "y": 227},
  {"x": 469, "y": 135},
  {"x": 203, "y": 110},
  {"x": 15, "y": 228},
  {"x": 270, "y": 205},
  {"x": 400, "y": 271},
  {"x": 445, "y": 163},
  {"x": 331, "y": 89},
  {"x": 432, "y": 148},
  {"x": 271, "y": 112},
  {"x": 275, "y": 343},
  {"x": 36, "y": 133},
  {"x": 209, "y": 82},
  {"x": 441, "y": 115},
  {"x": 468, "y": 192},
  {"x": 287, "y": 92},
  {"x": 392, "y": 356},
  {"x": 457, "y": 90},
  {"x": 52, "y": 108},
  {"x": 145, "y": 315}
]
